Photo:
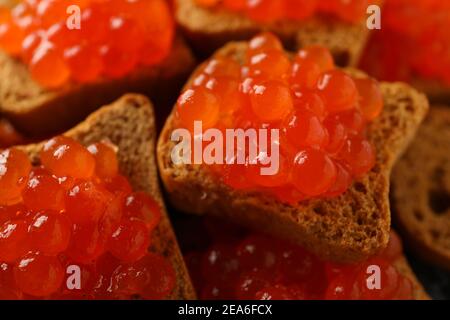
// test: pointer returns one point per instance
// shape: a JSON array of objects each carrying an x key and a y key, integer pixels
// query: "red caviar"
[
  {"x": 257, "y": 267},
  {"x": 113, "y": 38},
  {"x": 9, "y": 136},
  {"x": 413, "y": 42},
  {"x": 320, "y": 111},
  {"x": 76, "y": 209},
  {"x": 352, "y": 11}
]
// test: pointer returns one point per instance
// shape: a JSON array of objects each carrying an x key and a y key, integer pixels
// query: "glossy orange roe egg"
[
  {"x": 13, "y": 240},
  {"x": 14, "y": 170},
  {"x": 64, "y": 156},
  {"x": 267, "y": 11},
  {"x": 258, "y": 267},
  {"x": 75, "y": 209},
  {"x": 114, "y": 37},
  {"x": 106, "y": 164},
  {"x": 197, "y": 105},
  {"x": 9, "y": 136},
  {"x": 319, "y": 115}
]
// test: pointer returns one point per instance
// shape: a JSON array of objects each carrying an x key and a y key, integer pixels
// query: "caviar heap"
[
  {"x": 413, "y": 42},
  {"x": 114, "y": 36},
  {"x": 321, "y": 114},
  {"x": 248, "y": 266},
  {"x": 75, "y": 209},
  {"x": 352, "y": 11}
]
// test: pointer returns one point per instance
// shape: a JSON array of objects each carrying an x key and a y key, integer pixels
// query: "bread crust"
[
  {"x": 210, "y": 29},
  {"x": 129, "y": 124},
  {"x": 423, "y": 174},
  {"x": 38, "y": 111},
  {"x": 348, "y": 228},
  {"x": 402, "y": 266},
  {"x": 436, "y": 91}
]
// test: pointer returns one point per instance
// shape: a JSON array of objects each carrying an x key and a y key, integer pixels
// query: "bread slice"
[
  {"x": 210, "y": 29},
  {"x": 436, "y": 91},
  {"x": 129, "y": 124},
  {"x": 38, "y": 111},
  {"x": 402, "y": 266},
  {"x": 347, "y": 228},
  {"x": 423, "y": 174}
]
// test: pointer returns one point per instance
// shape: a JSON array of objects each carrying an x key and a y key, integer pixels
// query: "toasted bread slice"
[
  {"x": 436, "y": 91},
  {"x": 209, "y": 29},
  {"x": 129, "y": 124},
  {"x": 402, "y": 266},
  {"x": 38, "y": 111},
  {"x": 347, "y": 228},
  {"x": 420, "y": 194}
]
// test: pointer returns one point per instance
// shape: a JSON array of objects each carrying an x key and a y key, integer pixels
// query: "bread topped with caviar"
[
  {"x": 129, "y": 125},
  {"x": 416, "y": 53},
  {"x": 349, "y": 227},
  {"x": 423, "y": 174},
  {"x": 40, "y": 109},
  {"x": 209, "y": 28}
]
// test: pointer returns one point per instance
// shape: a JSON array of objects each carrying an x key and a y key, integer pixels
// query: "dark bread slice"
[
  {"x": 129, "y": 124},
  {"x": 38, "y": 111},
  {"x": 420, "y": 194},
  {"x": 436, "y": 91},
  {"x": 210, "y": 29},
  {"x": 348, "y": 228},
  {"x": 402, "y": 266}
]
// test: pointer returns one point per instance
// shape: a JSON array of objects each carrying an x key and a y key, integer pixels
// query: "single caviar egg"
[
  {"x": 338, "y": 90},
  {"x": 50, "y": 232},
  {"x": 313, "y": 172},
  {"x": 197, "y": 105},
  {"x": 65, "y": 157},
  {"x": 38, "y": 275},
  {"x": 13, "y": 240},
  {"x": 107, "y": 165},
  {"x": 130, "y": 241},
  {"x": 271, "y": 101},
  {"x": 43, "y": 192},
  {"x": 14, "y": 169}
]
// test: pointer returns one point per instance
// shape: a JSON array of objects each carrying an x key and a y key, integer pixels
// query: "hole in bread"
[
  {"x": 439, "y": 201},
  {"x": 342, "y": 59},
  {"x": 410, "y": 108},
  {"x": 418, "y": 215},
  {"x": 319, "y": 210},
  {"x": 435, "y": 234},
  {"x": 360, "y": 187}
]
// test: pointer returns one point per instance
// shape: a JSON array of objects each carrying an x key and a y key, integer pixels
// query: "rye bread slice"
[
  {"x": 420, "y": 194},
  {"x": 129, "y": 124},
  {"x": 436, "y": 91},
  {"x": 402, "y": 266},
  {"x": 210, "y": 29},
  {"x": 38, "y": 111},
  {"x": 347, "y": 228}
]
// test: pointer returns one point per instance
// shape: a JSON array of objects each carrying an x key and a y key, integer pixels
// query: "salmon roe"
[
  {"x": 9, "y": 136},
  {"x": 76, "y": 209},
  {"x": 244, "y": 265},
  {"x": 320, "y": 111},
  {"x": 113, "y": 38},
  {"x": 352, "y": 11},
  {"x": 413, "y": 42}
]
